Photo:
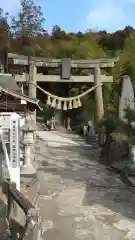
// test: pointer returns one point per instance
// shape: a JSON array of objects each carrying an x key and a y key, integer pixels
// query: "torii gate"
[{"x": 65, "y": 68}]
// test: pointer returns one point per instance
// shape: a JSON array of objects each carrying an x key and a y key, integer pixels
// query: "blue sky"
[{"x": 81, "y": 15}]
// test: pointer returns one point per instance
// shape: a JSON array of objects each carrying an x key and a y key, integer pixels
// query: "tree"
[
  {"x": 87, "y": 47},
  {"x": 28, "y": 25},
  {"x": 4, "y": 30},
  {"x": 30, "y": 20},
  {"x": 128, "y": 30},
  {"x": 130, "y": 53}
]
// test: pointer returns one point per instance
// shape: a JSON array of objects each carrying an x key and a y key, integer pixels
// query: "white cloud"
[{"x": 109, "y": 14}]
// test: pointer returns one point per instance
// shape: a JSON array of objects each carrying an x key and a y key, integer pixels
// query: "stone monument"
[{"x": 127, "y": 97}]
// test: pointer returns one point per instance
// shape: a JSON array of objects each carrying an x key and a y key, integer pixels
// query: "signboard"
[{"x": 10, "y": 130}]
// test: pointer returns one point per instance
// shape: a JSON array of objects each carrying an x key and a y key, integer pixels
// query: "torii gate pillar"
[
  {"x": 32, "y": 91},
  {"x": 99, "y": 102},
  {"x": 32, "y": 88}
]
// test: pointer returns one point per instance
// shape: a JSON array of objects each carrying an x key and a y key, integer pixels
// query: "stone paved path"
[{"x": 79, "y": 198}]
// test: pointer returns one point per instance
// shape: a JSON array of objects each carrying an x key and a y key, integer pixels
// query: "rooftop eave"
[{"x": 21, "y": 97}]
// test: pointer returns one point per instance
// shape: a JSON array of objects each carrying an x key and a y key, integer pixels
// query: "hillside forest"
[{"x": 26, "y": 34}]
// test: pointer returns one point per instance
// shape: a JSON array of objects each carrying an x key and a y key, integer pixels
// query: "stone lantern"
[{"x": 27, "y": 169}]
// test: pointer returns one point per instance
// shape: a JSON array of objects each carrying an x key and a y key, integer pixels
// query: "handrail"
[{"x": 14, "y": 196}]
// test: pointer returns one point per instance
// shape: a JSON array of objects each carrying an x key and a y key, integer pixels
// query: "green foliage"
[
  {"x": 126, "y": 129},
  {"x": 130, "y": 115},
  {"x": 111, "y": 124}
]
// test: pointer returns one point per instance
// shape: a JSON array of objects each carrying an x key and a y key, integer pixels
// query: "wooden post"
[
  {"x": 99, "y": 103},
  {"x": 32, "y": 88}
]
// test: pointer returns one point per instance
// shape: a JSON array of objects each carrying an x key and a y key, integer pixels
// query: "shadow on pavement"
[{"x": 103, "y": 188}]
